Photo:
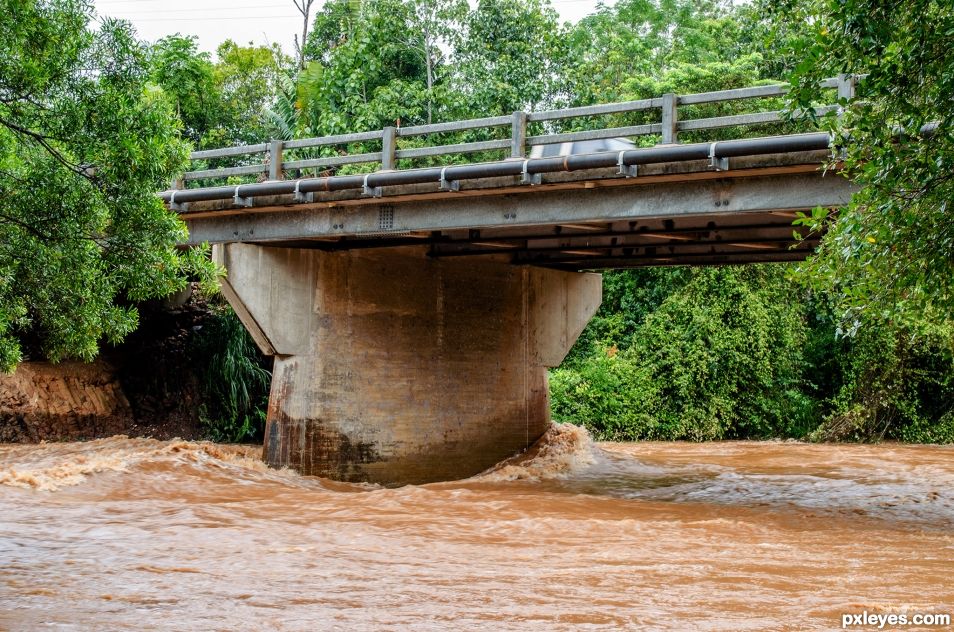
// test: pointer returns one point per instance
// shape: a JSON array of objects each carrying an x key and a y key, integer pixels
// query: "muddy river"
[{"x": 136, "y": 534}]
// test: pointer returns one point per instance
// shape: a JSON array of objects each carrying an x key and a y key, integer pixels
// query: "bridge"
[{"x": 412, "y": 311}]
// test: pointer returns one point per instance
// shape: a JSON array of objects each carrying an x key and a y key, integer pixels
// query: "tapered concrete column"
[{"x": 394, "y": 368}]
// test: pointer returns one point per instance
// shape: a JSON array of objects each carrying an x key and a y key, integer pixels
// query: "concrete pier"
[{"x": 395, "y": 368}]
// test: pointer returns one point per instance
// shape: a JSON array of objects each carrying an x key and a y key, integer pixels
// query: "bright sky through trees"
[{"x": 243, "y": 21}]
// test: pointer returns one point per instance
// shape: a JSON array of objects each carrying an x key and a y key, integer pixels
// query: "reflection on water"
[{"x": 131, "y": 534}]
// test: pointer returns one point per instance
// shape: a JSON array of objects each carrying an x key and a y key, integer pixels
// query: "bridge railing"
[{"x": 271, "y": 160}]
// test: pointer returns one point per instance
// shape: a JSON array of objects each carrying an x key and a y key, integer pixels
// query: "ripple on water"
[{"x": 133, "y": 534}]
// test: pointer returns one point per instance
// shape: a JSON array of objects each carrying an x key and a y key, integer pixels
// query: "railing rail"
[{"x": 274, "y": 163}]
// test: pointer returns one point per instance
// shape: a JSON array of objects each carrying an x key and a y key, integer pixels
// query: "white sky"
[{"x": 244, "y": 21}]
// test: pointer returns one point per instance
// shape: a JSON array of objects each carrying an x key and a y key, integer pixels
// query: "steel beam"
[
  {"x": 662, "y": 261},
  {"x": 637, "y": 238},
  {"x": 529, "y": 251},
  {"x": 738, "y": 247}
]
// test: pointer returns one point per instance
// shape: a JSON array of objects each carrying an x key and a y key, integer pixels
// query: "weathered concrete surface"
[
  {"x": 394, "y": 368},
  {"x": 61, "y": 402}
]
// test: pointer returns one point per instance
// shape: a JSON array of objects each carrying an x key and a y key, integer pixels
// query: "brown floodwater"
[{"x": 137, "y": 534}]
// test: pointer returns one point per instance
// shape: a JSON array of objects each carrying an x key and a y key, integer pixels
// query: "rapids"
[{"x": 137, "y": 534}]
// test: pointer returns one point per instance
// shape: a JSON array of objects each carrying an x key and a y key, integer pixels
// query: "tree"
[
  {"x": 188, "y": 76},
  {"x": 334, "y": 25},
  {"x": 890, "y": 252},
  {"x": 645, "y": 39},
  {"x": 220, "y": 103},
  {"x": 641, "y": 49},
  {"x": 85, "y": 142},
  {"x": 362, "y": 74},
  {"x": 304, "y": 7},
  {"x": 705, "y": 353},
  {"x": 434, "y": 23},
  {"x": 247, "y": 80},
  {"x": 510, "y": 56}
]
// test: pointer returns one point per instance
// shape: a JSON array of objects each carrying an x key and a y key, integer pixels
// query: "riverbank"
[
  {"x": 146, "y": 387},
  {"x": 191, "y": 371}
]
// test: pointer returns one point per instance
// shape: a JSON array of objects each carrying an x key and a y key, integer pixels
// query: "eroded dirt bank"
[
  {"x": 147, "y": 386},
  {"x": 65, "y": 402}
]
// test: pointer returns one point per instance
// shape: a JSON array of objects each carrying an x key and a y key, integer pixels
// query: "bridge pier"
[{"x": 394, "y": 368}]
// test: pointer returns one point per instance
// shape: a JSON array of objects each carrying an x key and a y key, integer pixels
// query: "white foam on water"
[{"x": 563, "y": 450}]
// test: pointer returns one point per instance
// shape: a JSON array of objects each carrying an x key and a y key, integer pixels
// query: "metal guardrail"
[{"x": 274, "y": 164}]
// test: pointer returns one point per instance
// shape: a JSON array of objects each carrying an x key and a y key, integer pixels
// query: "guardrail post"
[
  {"x": 670, "y": 118},
  {"x": 518, "y": 135},
  {"x": 388, "y": 148},
  {"x": 275, "y": 151},
  {"x": 177, "y": 184},
  {"x": 846, "y": 87}
]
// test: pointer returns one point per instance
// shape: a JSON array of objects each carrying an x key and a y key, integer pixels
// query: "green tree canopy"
[
  {"x": 509, "y": 57},
  {"x": 188, "y": 77},
  {"x": 221, "y": 103},
  {"x": 362, "y": 73},
  {"x": 85, "y": 142},
  {"x": 247, "y": 78},
  {"x": 891, "y": 251},
  {"x": 639, "y": 40}
]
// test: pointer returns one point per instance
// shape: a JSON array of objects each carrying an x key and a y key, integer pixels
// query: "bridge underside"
[
  {"x": 676, "y": 214},
  {"x": 688, "y": 240}
]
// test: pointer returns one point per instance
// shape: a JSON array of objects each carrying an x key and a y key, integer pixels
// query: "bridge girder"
[{"x": 696, "y": 219}]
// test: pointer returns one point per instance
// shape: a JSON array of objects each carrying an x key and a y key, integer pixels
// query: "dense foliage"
[
  {"x": 233, "y": 378},
  {"x": 224, "y": 102},
  {"x": 85, "y": 141},
  {"x": 713, "y": 353},
  {"x": 716, "y": 355},
  {"x": 859, "y": 345},
  {"x": 890, "y": 253}
]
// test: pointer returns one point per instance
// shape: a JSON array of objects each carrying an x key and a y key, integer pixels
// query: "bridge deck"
[
  {"x": 683, "y": 213},
  {"x": 703, "y": 202}
]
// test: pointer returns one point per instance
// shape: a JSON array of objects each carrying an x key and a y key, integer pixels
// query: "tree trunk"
[
  {"x": 430, "y": 83},
  {"x": 305, "y": 9}
]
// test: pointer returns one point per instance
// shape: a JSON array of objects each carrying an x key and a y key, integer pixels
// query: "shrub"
[
  {"x": 723, "y": 353},
  {"x": 719, "y": 356},
  {"x": 896, "y": 382},
  {"x": 234, "y": 379}
]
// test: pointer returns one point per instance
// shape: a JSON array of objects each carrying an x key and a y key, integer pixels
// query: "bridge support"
[{"x": 394, "y": 368}]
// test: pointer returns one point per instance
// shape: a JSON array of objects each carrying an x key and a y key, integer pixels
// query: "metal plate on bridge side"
[{"x": 386, "y": 217}]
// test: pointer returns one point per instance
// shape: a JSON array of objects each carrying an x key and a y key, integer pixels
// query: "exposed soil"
[
  {"x": 145, "y": 387},
  {"x": 68, "y": 401}
]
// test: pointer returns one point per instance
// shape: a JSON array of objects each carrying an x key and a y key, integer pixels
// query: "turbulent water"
[{"x": 136, "y": 534}]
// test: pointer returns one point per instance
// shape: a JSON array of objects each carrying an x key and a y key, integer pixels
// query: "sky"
[{"x": 244, "y": 21}]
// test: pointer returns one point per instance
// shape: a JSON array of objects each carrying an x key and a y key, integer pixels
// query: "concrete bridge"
[{"x": 413, "y": 312}]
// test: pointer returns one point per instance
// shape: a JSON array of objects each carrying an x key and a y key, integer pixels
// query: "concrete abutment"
[{"x": 392, "y": 367}]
